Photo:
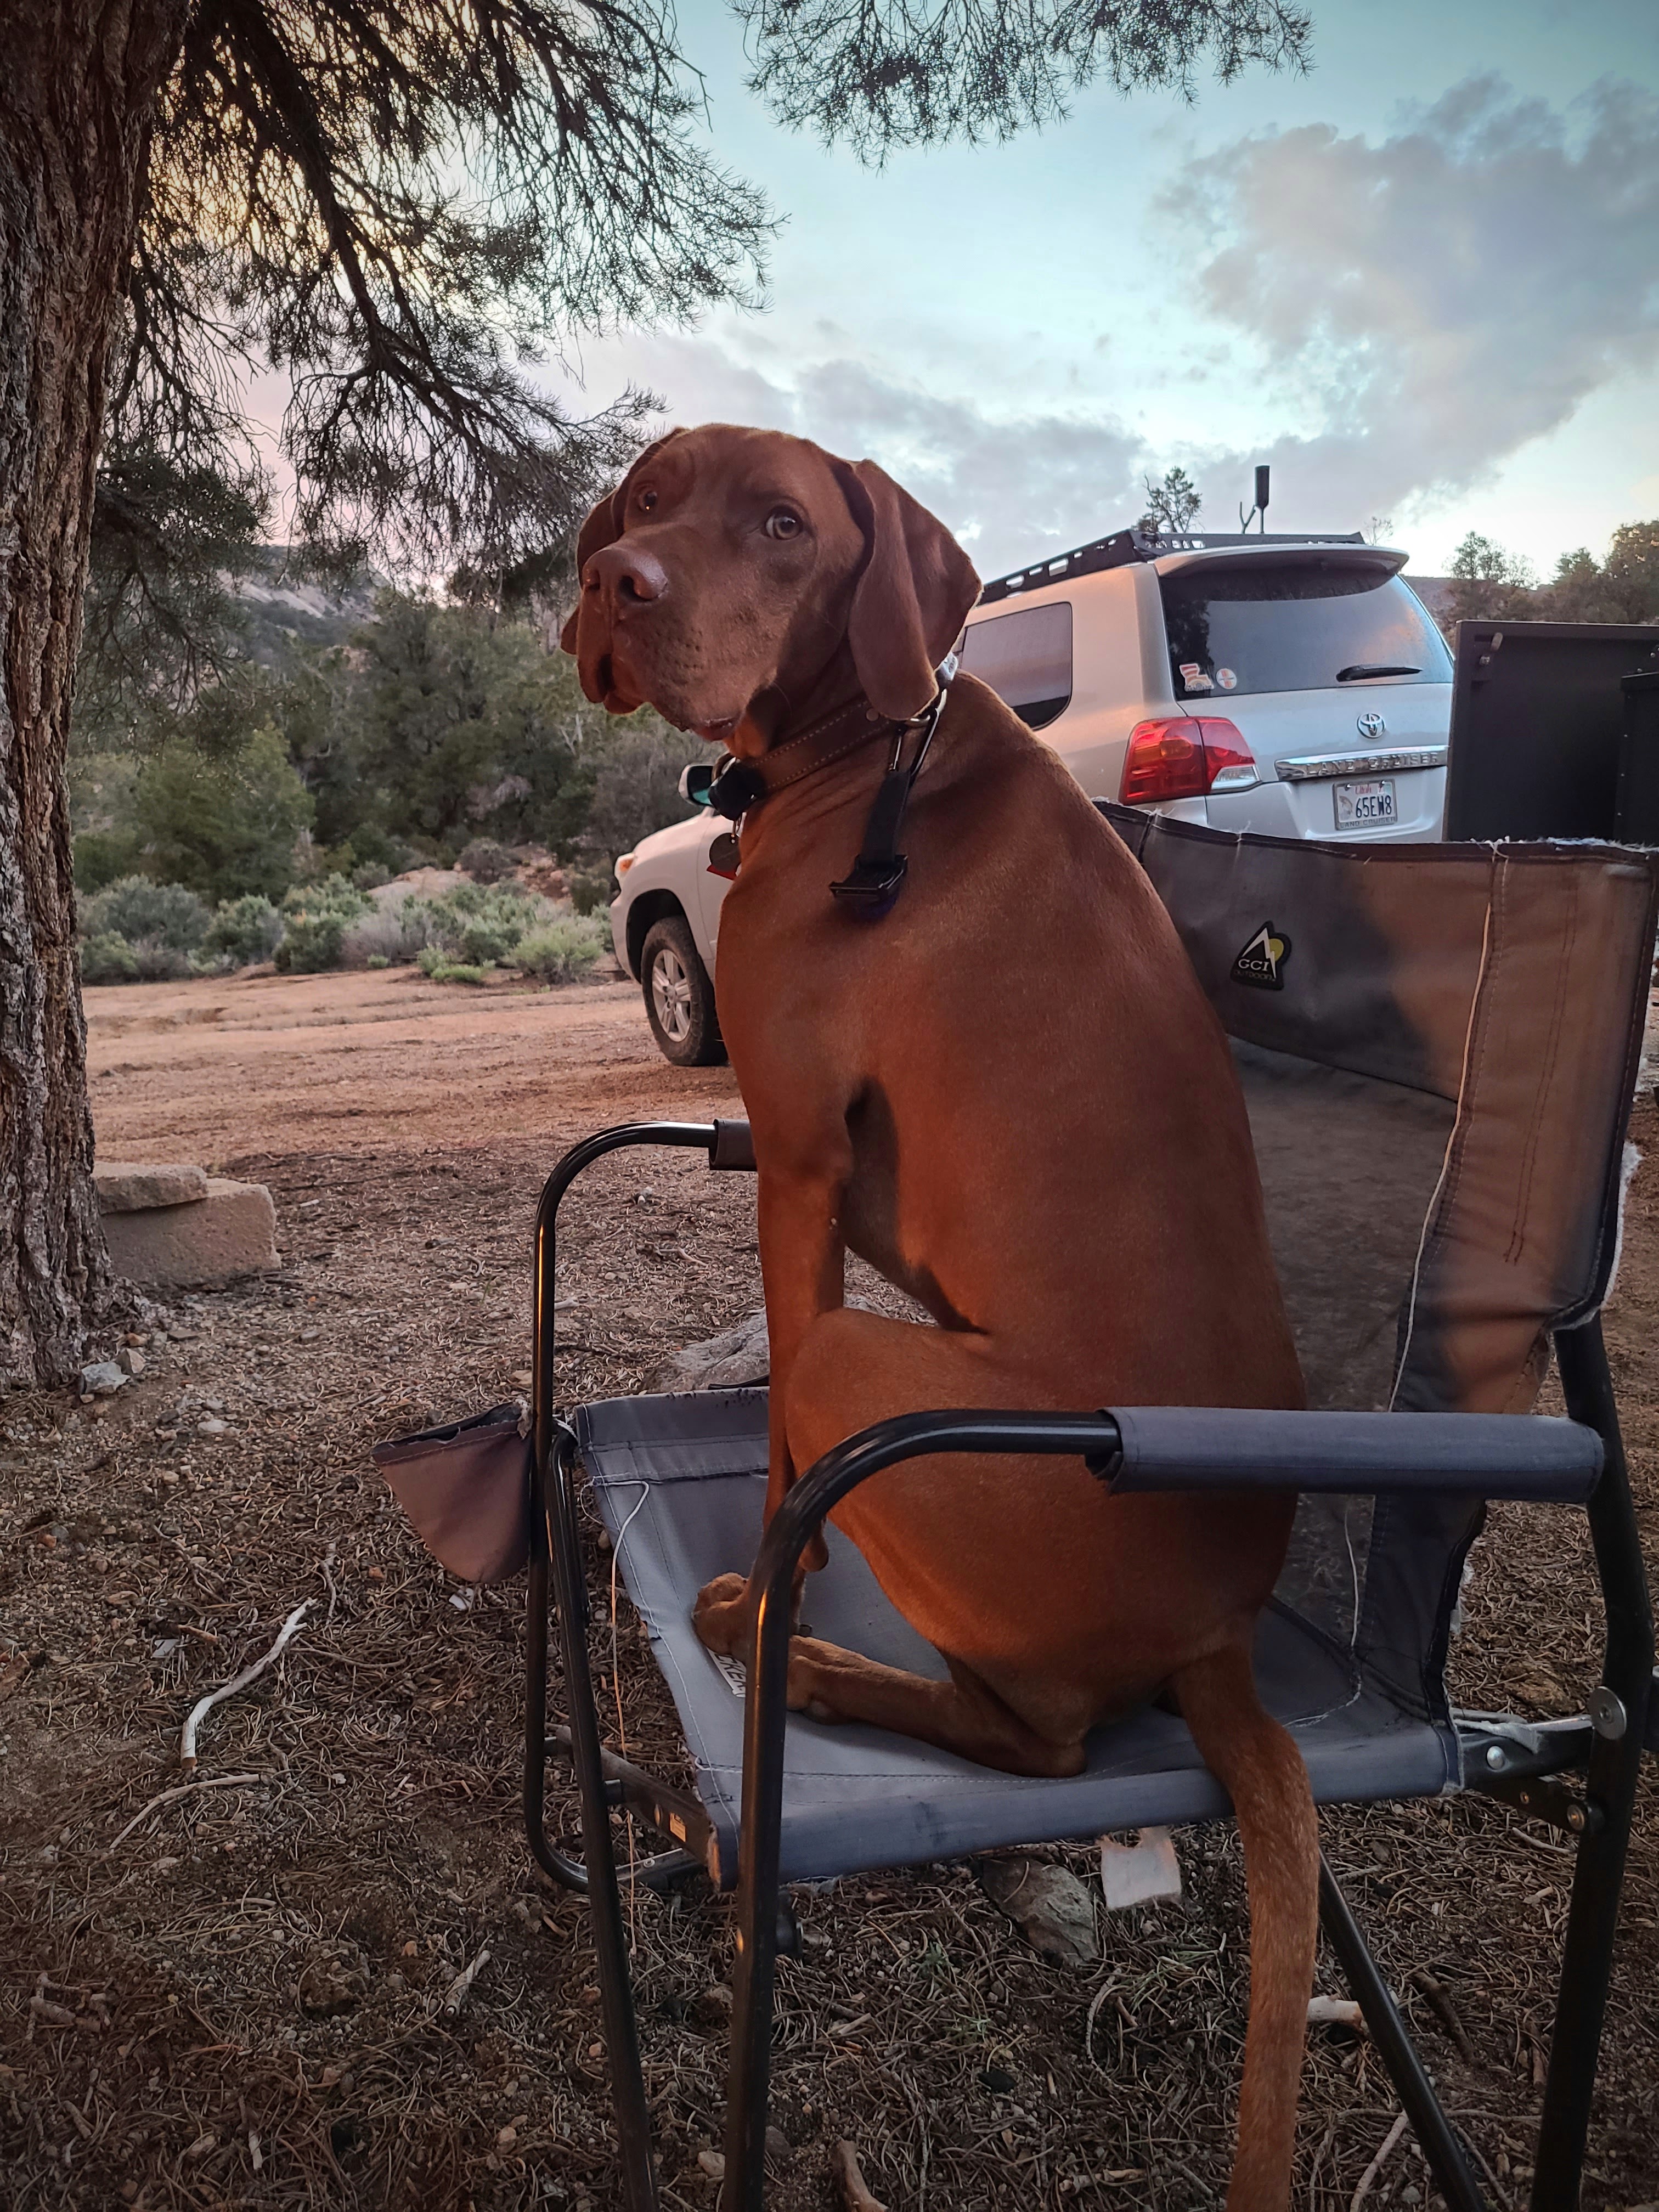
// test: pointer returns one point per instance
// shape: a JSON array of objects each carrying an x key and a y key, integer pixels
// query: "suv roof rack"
[{"x": 1124, "y": 546}]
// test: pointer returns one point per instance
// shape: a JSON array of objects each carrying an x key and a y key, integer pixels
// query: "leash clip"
[{"x": 878, "y": 875}]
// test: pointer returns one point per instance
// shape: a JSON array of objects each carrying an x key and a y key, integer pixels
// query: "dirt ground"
[{"x": 255, "y": 1994}]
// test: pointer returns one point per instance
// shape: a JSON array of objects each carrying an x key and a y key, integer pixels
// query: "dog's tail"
[{"x": 1261, "y": 1768}]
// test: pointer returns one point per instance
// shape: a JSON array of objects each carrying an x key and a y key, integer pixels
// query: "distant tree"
[
  {"x": 1488, "y": 584},
  {"x": 1626, "y": 588},
  {"x": 1172, "y": 505},
  {"x": 636, "y": 788},
  {"x": 224, "y": 827},
  {"x": 461, "y": 725},
  {"x": 396, "y": 202},
  {"x": 1575, "y": 592}
]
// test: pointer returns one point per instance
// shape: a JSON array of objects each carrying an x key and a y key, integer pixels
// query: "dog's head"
[{"x": 727, "y": 569}]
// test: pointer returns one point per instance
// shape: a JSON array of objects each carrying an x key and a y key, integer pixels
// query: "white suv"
[{"x": 1292, "y": 685}]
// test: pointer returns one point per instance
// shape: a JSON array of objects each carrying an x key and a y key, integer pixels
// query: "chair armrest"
[
  {"x": 734, "y": 1147},
  {"x": 1523, "y": 1456}
]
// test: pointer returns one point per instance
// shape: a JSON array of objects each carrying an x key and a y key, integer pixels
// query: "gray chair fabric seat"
[{"x": 680, "y": 1481}]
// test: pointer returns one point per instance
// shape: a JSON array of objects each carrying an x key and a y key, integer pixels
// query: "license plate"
[{"x": 1359, "y": 804}]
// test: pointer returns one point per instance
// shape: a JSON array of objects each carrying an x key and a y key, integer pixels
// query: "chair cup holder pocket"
[{"x": 466, "y": 1491}]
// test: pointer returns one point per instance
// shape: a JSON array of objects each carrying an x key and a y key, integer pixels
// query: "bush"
[
  {"x": 392, "y": 930},
  {"x": 485, "y": 862},
  {"x": 315, "y": 919},
  {"x": 107, "y": 958},
  {"x": 244, "y": 931},
  {"x": 435, "y": 963},
  {"x": 560, "y": 951},
  {"x": 590, "y": 889},
  {"x": 164, "y": 914},
  {"x": 162, "y": 963},
  {"x": 478, "y": 923}
]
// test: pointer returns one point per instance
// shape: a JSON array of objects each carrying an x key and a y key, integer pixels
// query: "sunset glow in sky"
[{"x": 1422, "y": 281}]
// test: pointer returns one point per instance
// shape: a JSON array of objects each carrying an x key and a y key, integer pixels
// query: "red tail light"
[{"x": 1185, "y": 757}]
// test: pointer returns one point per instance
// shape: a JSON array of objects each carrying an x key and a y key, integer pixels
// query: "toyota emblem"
[{"x": 1371, "y": 725}]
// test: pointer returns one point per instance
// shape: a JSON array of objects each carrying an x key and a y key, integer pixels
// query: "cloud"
[
  {"x": 1432, "y": 303},
  {"x": 1009, "y": 487},
  {"x": 1411, "y": 312}
]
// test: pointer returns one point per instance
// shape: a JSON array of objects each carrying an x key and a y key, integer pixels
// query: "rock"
[
  {"x": 713, "y": 2163},
  {"x": 778, "y": 2144},
  {"x": 131, "y": 1359},
  {"x": 230, "y": 1231},
  {"x": 1048, "y": 1905},
  {"x": 127, "y": 1186},
  {"x": 103, "y": 1379},
  {"x": 733, "y": 1359}
]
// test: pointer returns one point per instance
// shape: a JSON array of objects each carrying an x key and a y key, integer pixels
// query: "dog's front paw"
[{"x": 720, "y": 1615}]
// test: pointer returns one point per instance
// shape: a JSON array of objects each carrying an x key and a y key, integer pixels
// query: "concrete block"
[
  {"x": 132, "y": 1187},
  {"x": 231, "y": 1231}
]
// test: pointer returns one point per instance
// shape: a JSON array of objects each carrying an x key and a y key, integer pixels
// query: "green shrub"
[
  {"x": 244, "y": 931},
  {"x": 590, "y": 889},
  {"x": 434, "y": 961},
  {"x": 107, "y": 958},
  {"x": 137, "y": 909},
  {"x": 560, "y": 951},
  {"x": 315, "y": 919},
  {"x": 479, "y": 923},
  {"x": 377, "y": 960}
]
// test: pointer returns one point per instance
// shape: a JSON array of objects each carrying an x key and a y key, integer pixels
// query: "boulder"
[
  {"x": 231, "y": 1230},
  {"x": 128, "y": 1187}
]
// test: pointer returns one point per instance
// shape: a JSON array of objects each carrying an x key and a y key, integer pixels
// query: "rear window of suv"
[{"x": 1256, "y": 625}]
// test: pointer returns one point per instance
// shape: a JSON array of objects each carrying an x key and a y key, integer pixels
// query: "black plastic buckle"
[{"x": 874, "y": 884}]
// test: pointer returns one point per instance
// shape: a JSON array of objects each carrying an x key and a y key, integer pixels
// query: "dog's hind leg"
[
  {"x": 963, "y": 1715},
  {"x": 1261, "y": 1768}
]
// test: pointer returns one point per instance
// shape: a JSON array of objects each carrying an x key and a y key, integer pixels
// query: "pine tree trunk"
[{"x": 77, "y": 84}]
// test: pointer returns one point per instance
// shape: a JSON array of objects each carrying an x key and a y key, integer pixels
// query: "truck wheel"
[{"x": 679, "y": 998}]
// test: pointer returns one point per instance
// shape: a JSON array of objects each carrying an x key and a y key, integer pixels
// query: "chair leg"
[
  {"x": 1433, "y": 2130},
  {"x": 766, "y": 1715},
  {"x": 1614, "y": 1772},
  {"x": 603, "y": 1895}
]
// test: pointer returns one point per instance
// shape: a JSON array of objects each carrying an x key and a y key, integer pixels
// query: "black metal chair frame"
[{"x": 1520, "y": 1762}]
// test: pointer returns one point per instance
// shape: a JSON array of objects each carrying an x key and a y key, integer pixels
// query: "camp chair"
[{"x": 1438, "y": 1046}]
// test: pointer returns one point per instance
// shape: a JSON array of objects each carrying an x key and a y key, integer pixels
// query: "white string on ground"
[{"x": 203, "y": 1707}]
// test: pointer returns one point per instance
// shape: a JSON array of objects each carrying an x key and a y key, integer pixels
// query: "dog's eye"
[
  {"x": 783, "y": 522},
  {"x": 646, "y": 501}
]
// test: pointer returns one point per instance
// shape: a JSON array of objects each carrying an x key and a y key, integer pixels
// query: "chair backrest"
[{"x": 1439, "y": 1045}]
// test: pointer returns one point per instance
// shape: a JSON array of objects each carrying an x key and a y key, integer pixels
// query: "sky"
[{"x": 1421, "y": 281}]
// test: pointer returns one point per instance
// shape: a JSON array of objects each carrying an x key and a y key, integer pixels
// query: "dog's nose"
[{"x": 625, "y": 576}]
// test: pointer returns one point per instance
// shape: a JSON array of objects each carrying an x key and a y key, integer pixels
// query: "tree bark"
[{"x": 78, "y": 81}]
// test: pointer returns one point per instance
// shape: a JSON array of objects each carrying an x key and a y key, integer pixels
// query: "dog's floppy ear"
[
  {"x": 912, "y": 596},
  {"x": 603, "y": 527}
]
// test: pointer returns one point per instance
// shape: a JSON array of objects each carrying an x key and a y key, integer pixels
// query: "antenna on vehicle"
[{"x": 1258, "y": 514}]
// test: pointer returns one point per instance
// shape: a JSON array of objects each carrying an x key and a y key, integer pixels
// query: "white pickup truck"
[{"x": 1293, "y": 685}]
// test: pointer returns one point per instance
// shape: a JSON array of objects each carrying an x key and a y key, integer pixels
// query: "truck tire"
[{"x": 679, "y": 998}]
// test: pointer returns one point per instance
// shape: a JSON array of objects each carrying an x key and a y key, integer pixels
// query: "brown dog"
[{"x": 1012, "y": 1096}]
